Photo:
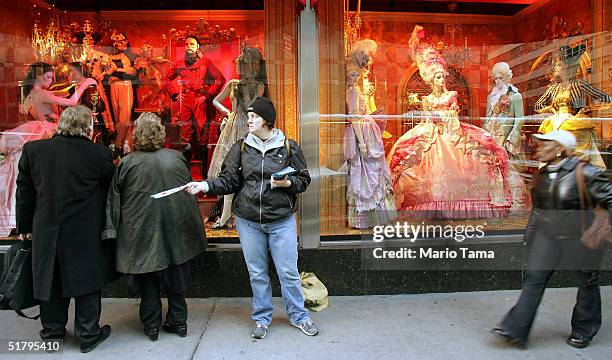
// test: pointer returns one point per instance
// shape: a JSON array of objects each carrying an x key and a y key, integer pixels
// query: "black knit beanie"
[{"x": 263, "y": 107}]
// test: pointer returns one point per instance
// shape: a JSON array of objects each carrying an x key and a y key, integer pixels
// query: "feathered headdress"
[{"x": 427, "y": 58}]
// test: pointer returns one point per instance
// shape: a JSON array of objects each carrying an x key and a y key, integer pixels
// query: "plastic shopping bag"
[{"x": 315, "y": 293}]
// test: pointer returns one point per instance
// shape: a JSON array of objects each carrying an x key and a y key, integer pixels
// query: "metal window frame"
[{"x": 308, "y": 124}]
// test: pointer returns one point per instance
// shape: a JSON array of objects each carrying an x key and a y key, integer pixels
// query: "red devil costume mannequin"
[{"x": 198, "y": 82}]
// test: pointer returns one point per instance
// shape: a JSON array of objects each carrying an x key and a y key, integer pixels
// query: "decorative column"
[{"x": 280, "y": 51}]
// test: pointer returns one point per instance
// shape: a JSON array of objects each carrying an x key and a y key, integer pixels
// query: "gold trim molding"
[{"x": 180, "y": 15}]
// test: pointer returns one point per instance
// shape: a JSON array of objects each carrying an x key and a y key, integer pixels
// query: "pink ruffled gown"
[
  {"x": 11, "y": 144},
  {"x": 443, "y": 168}
]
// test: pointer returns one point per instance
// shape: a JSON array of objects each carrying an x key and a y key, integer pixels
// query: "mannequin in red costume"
[{"x": 199, "y": 80}]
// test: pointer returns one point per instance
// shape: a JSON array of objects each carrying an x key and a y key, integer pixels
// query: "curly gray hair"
[
  {"x": 149, "y": 134},
  {"x": 75, "y": 121}
]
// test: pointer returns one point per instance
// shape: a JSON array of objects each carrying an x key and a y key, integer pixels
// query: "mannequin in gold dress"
[{"x": 565, "y": 98}]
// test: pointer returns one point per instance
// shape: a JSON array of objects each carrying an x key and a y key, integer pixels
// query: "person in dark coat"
[
  {"x": 554, "y": 232},
  {"x": 156, "y": 238},
  {"x": 61, "y": 196}
]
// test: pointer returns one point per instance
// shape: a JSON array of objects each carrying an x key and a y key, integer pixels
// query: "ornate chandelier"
[
  {"x": 50, "y": 43},
  {"x": 48, "y": 46},
  {"x": 454, "y": 53},
  {"x": 352, "y": 25}
]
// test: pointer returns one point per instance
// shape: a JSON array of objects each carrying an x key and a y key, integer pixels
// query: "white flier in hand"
[{"x": 168, "y": 192}]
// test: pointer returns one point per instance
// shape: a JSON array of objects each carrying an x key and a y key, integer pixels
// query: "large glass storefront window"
[
  {"x": 434, "y": 119},
  {"x": 198, "y": 70},
  {"x": 427, "y": 108}
]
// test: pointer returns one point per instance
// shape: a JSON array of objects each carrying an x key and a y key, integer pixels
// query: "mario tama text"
[{"x": 431, "y": 253}]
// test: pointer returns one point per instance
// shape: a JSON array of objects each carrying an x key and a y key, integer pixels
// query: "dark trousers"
[
  {"x": 546, "y": 254},
  {"x": 151, "y": 305},
  {"x": 54, "y": 313}
]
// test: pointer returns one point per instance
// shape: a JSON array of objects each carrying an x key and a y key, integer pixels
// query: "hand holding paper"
[{"x": 168, "y": 192}]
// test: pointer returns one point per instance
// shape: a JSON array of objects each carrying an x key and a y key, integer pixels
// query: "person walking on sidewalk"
[
  {"x": 156, "y": 238},
  {"x": 61, "y": 194},
  {"x": 554, "y": 231},
  {"x": 265, "y": 213}
]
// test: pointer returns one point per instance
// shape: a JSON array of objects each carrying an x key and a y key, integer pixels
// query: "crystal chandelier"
[
  {"x": 352, "y": 25},
  {"x": 50, "y": 44},
  {"x": 454, "y": 53}
]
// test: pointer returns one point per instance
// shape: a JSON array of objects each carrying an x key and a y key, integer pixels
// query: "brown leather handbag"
[{"x": 600, "y": 231}]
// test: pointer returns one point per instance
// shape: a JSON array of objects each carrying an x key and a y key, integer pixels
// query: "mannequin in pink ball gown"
[{"x": 443, "y": 168}]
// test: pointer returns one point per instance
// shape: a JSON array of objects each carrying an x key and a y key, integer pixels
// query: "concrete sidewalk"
[{"x": 424, "y": 326}]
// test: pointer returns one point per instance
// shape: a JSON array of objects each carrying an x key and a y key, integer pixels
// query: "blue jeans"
[{"x": 281, "y": 239}]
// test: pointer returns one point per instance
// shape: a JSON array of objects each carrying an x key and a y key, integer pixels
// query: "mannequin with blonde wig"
[{"x": 369, "y": 194}]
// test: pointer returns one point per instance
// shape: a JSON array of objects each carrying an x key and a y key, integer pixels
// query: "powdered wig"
[
  {"x": 428, "y": 72},
  {"x": 429, "y": 61},
  {"x": 359, "y": 57},
  {"x": 352, "y": 68},
  {"x": 362, "y": 52},
  {"x": 75, "y": 121},
  {"x": 503, "y": 69},
  {"x": 149, "y": 134}
]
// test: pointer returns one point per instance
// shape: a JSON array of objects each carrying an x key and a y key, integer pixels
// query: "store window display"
[
  {"x": 149, "y": 69},
  {"x": 41, "y": 104},
  {"x": 505, "y": 111},
  {"x": 121, "y": 90},
  {"x": 566, "y": 99},
  {"x": 95, "y": 99},
  {"x": 198, "y": 79},
  {"x": 369, "y": 193},
  {"x": 41, "y": 107},
  {"x": 252, "y": 83},
  {"x": 444, "y": 168}
]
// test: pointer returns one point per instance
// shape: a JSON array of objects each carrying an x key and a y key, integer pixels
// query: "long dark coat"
[
  {"x": 61, "y": 197},
  {"x": 153, "y": 234}
]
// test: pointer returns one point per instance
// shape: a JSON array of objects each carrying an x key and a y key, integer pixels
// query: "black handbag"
[{"x": 16, "y": 287}]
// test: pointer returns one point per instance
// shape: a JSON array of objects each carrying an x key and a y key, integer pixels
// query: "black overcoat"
[{"x": 62, "y": 187}]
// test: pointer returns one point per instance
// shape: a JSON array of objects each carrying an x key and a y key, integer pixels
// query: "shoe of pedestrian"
[
  {"x": 44, "y": 335},
  {"x": 152, "y": 334},
  {"x": 507, "y": 337},
  {"x": 259, "y": 331},
  {"x": 308, "y": 327},
  {"x": 105, "y": 332},
  {"x": 577, "y": 341},
  {"x": 180, "y": 330}
]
